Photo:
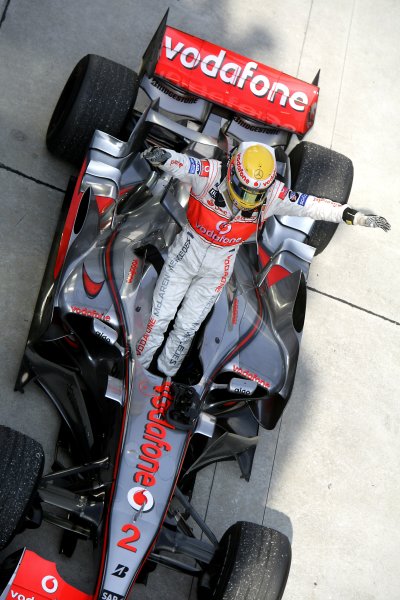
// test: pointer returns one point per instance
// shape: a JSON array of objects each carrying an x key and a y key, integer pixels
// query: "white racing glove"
[
  {"x": 365, "y": 218},
  {"x": 156, "y": 156}
]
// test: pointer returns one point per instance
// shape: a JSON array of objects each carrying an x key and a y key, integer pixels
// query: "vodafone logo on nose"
[
  {"x": 140, "y": 499},
  {"x": 50, "y": 584},
  {"x": 223, "y": 227}
]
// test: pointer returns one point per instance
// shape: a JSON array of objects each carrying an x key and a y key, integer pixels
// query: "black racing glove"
[
  {"x": 364, "y": 218},
  {"x": 156, "y": 156}
]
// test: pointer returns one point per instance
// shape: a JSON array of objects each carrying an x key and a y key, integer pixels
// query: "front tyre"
[
  {"x": 21, "y": 466},
  {"x": 252, "y": 563},
  {"x": 99, "y": 94}
]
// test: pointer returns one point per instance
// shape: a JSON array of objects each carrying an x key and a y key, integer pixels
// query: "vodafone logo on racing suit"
[
  {"x": 229, "y": 79},
  {"x": 214, "y": 237},
  {"x": 223, "y": 227}
]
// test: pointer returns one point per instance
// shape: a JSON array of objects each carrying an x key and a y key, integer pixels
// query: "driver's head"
[{"x": 251, "y": 170}]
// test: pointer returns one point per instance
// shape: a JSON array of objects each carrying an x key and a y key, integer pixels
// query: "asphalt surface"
[{"x": 328, "y": 475}]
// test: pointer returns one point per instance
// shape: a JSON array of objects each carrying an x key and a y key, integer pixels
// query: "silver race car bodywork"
[{"x": 127, "y": 459}]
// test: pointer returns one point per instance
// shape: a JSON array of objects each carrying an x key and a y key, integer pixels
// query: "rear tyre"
[
  {"x": 21, "y": 467},
  {"x": 324, "y": 173},
  {"x": 99, "y": 94},
  {"x": 252, "y": 562}
]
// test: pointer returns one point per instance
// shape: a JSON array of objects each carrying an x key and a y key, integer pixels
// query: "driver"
[{"x": 227, "y": 204}]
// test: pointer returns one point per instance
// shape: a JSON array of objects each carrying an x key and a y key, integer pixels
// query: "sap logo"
[
  {"x": 21, "y": 596},
  {"x": 110, "y": 596}
]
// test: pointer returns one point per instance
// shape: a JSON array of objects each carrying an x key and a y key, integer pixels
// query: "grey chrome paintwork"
[{"x": 250, "y": 333}]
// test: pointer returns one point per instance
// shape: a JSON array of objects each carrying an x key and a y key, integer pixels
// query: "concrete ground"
[{"x": 328, "y": 475}]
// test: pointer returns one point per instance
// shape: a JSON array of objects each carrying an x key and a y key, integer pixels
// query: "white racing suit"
[{"x": 201, "y": 259}]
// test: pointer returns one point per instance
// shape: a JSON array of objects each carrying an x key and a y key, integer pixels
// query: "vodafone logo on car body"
[
  {"x": 227, "y": 78},
  {"x": 50, "y": 584},
  {"x": 140, "y": 499}
]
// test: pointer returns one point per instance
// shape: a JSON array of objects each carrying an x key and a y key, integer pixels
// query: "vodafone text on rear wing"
[{"x": 228, "y": 79}]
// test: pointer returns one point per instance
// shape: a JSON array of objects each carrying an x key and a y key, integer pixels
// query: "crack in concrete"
[
  {"x": 343, "y": 70},
  {"x": 38, "y": 181},
  {"x": 305, "y": 36},
  {"x": 370, "y": 312},
  {"x": 4, "y": 12},
  {"x": 272, "y": 469}
]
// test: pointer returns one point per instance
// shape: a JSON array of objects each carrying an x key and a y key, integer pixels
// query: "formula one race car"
[{"x": 125, "y": 468}]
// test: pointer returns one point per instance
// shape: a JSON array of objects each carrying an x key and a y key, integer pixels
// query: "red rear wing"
[{"x": 245, "y": 86}]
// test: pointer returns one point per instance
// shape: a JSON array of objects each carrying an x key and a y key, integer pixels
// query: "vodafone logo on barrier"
[{"x": 227, "y": 78}]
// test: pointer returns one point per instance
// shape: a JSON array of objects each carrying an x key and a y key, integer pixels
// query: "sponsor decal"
[
  {"x": 143, "y": 341},
  {"x": 90, "y": 312},
  {"x": 92, "y": 288},
  {"x": 214, "y": 194},
  {"x": 154, "y": 443},
  {"x": 241, "y": 76},
  {"x": 50, "y": 584},
  {"x": 240, "y": 390},
  {"x": 293, "y": 196},
  {"x": 193, "y": 165},
  {"x": 223, "y": 227},
  {"x": 282, "y": 194},
  {"x": 20, "y": 596},
  {"x": 259, "y": 174},
  {"x": 176, "y": 355},
  {"x": 140, "y": 499},
  {"x": 103, "y": 336},
  {"x": 240, "y": 169},
  {"x": 252, "y": 376},
  {"x": 151, "y": 450},
  {"x": 205, "y": 168},
  {"x": 159, "y": 299},
  {"x": 107, "y": 595},
  {"x": 303, "y": 199},
  {"x": 225, "y": 276},
  {"x": 210, "y": 233},
  {"x": 235, "y": 311},
  {"x": 132, "y": 271},
  {"x": 105, "y": 332},
  {"x": 178, "y": 163},
  {"x": 127, "y": 542},
  {"x": 120, "y": 571},
  {"x": 181, "y": 253}
]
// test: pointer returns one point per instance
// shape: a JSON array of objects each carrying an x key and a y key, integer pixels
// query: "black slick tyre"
[
  {"x": 99, "y": 94},
  {"x": 252, "y": 563},
  {"x": 324, "y": 173},
  {"x": 21, "y": 466}
]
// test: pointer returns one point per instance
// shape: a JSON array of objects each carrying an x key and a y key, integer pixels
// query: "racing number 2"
[{"x": 125, "y": 542}]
